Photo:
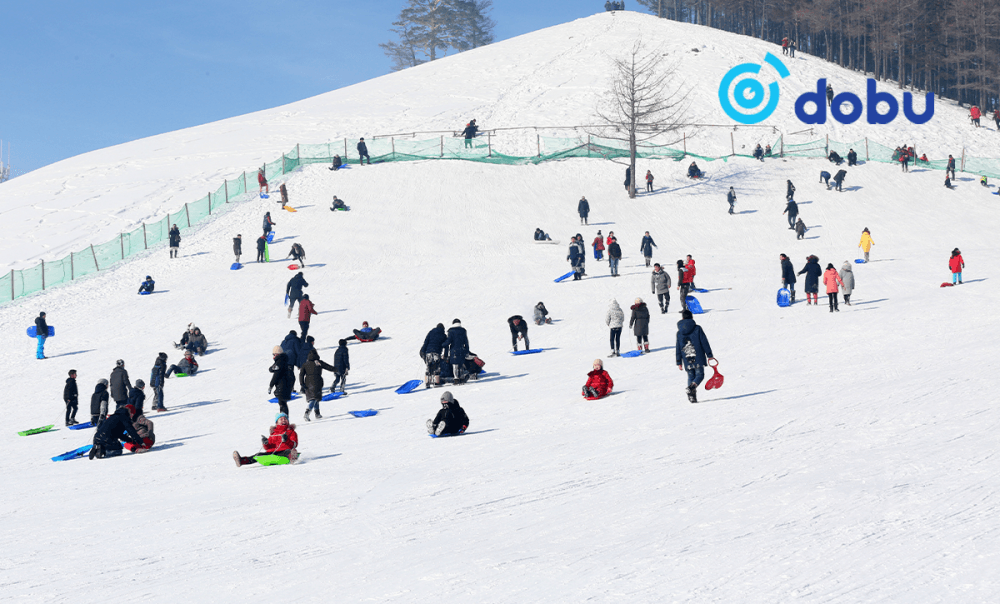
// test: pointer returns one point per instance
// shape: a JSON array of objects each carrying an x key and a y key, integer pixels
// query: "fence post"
[
  {"x": 209, "y": 203},
  {"x": 489, "y": 144},
  {"x": 442, "y": 146},
  {"x": 538, "y": 141},
  {"x": 685, "y": 139},
  {"x": 43, "y": 275},
  {"x": 298, "y": 154},
  {"x": 145, "y": 242},
  {"x": 866, "y": 148},
  {"x": 121, "y": 241},
  {"x": 345, "y": 149},
  {"x": 225, "y": 184},
  {"x": 188, "y": 214},
  {"x": 282, "y": 163},
  {"x": 963, "y": 159},
  {"x": 244, "y": 181},
  {"x": 72, "y": 269},
  {"x": 588, "y": 145},
  {"x": 828, "y": 145},
  {"x": 393, "y": 141},
  {"x": 732, "y": 143},
  {"x": 92, "y": 253},
  {"x": 12, "y": 284},
  {"x": 781, "y": 139}
]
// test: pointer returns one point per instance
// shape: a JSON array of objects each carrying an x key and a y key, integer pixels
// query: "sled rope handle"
[{"x": 710, "y": 363}]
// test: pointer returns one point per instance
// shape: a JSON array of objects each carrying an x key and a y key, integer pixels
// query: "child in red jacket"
[
  {"x": 956, "y": 264},
  {"x": 282, "y": 441},
  {"x": 599, "y": 383}
]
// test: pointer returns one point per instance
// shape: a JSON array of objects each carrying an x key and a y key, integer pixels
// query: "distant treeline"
[{"x": 428, "y": 29}]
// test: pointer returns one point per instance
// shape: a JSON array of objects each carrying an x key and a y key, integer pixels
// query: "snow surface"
[{"x": 849, "y": 457}]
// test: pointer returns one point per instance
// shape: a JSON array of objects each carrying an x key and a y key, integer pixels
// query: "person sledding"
[
  {"x": 541, "y": 314},
  {"x": 196, "y": 342},
  {"x": 365, "y": 334},
  {"x": 337, "y": 163},
  {"x": 298, "y": 254},
  {"x": 144, "y": 428},
  {"x": 694, "y": 171},
  {"x": 113, "y": 431},
  {"x": 599, "y": 383},
  {"x": 282, "y": 442},
  {"x": 541, "y": 235},
  {"x": 338, "y": 204},
  {"x": 187, "y": 366},
  {"x": 451, "y": 419},
  {"x": 147, "y": 286}
]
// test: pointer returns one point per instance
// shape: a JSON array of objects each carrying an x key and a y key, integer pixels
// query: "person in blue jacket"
[
  {"x": 290, "y": 346},
  {"x": 458, "y": 347},
  {"x": 41, "y": 334},
  {"x": 788, "y": 276},
  {"x": 693, "y": 350},
  {"x": 812, "y": 271},
  {"x": 147, "y": 285},
  {"x": 432, "y": 352}
]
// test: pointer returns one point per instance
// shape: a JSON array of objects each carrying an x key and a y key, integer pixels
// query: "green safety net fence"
[{"x": 95, "y": 258}]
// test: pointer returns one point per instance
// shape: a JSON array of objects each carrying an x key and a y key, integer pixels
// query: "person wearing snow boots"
[
  {"x": 366, "y": 333},
  {"x": 451, "y": 419},
  {"x": 599, "y": 383},
  {"x": 137, "y": 396},
  {"x": 238, "y": 247},
  {"x": 614, "y": 255},
  {"x": 788, "y": 276},
  {"x": 615, "y": 320},
  {"x": 297, "y": 254},
  {"x": 120, "y": 384},
  {"x": 649, "y": 181},
  {"x": 812, "y": 272},
  {"x": 293, "y": 290},
  {"x": 789, "y": 191},
  {"x": 157, "y": 377},
  {"x": 800, "y": 229},
  {"x": 639, "y": 322},
  {"x": 197, "y": 342},
  {"x": 646, "y": 247},
  {"x": 956, "y": 264},
  {"x": 847, "y": 278},
  {"x": 282, "y": 441},
  {"x": 261, "y": 245},
  {"x": 311, "y": 382},
  {"x": 262, "y": 181},
  {"x": 338, "y": 204},
  {"x": 470, "y": 133},
  {"x": 838, "y": 179},
  {"x": 306, "y": 311},
  {"x": 144, "y": 428},
  {"x": 337, "y": 163},
  {"x": 660, "y": 283},
  {"x": 792, "y": 209},
  {"x": 363, "y": 152},
  {"x": 598, "y": 245},
  {"x": 116, "y": 428},
  {"x": 691, "y": 271},
  {"x": 282, "y": 378},
  {"x": 148, "y": 285},
  {"x": 187, "y": 365},
  {"x": 852, "y": 158},
  {"x": 731, "y": 198},
  {"x": 457, "y": 344},
  {"x": 518, "y": 330},
  {"x": 824, "y": 177},
  {"x": 99, "y": 403},
  {"x": 174, "y": 235},
  {"x": 432, "y": 352},
  {"x": 866, "y": 242},
  {"x": 267, "y": 224},
  {"x": 41, "y": 334},
  {"x": 341, "y": 366},
  {"x": 575, "y": 258},
  {"x": 685, "y": 277},
  {"x": 541, "y": 314},
  {"x": 291, "y": 346},
  {"x": 692, "y": 352},
  {"x": 71, "y": 396},
  {"x": 284, "y": 195},
  {"x": 829, "y": 94},
  {"x": 833, "y": 284}
]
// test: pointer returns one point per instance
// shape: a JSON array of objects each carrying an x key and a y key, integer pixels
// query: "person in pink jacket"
[{"x": 833, "y": 284}]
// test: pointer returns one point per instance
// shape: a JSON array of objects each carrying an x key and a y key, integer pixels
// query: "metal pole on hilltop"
[
  {"x": 685, "y": 143},
  {"x": 489, "y": 144},
  {"x": 588, "y": 145},
  {"x": 244, "y": 181},
  {"x": 393, "y": 141},
  {"x": 538, "y": 141},
  {"x": 12, "y": 284}
]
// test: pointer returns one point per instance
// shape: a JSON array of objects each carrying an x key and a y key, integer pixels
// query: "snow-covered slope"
[{"x": 551, "y": 77}]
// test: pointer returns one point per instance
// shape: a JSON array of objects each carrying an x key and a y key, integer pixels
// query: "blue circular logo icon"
[{"x": 749, "y": 94}]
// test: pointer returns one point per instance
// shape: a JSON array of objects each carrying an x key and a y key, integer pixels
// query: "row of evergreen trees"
[{"x": 428, "y": 29}]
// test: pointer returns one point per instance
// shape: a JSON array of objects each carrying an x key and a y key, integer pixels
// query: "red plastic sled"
[
  {"x": 716, "y": 380},
  {"x": 591, "y": 398},
  {"x": 946, "y": 284},
  {"x": 293, "y": 267}
]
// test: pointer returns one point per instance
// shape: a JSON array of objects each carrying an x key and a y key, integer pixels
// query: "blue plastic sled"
[
  {"x": 33, "y": 331},
  {"x": 82, "y": 426},
  {"x": 564, "y": 277},
  {"x": 700, "y": 291},
  {"x": 265, "y": 196},
  {"x": 236, "y": 266},
  {"x": 859, "y": 261},
  {"x": 332, "y": 396},
  {"x": 275, "y": 400},
  {"x": 446, "y": 435},
  {"x": 270, "y": 236},
  {"x": 367, "y": 413},
  {"x": 286, "y": 300},
  {"x": 144, "y": 293},
  {"x": 694, "y": 305},
  {"x": 409, "y": 386},
  {"x": 632, "y": 353},
  {"x": 784, "y": 297},
  {"x": 74, "y": 453},
  {"x": 529, "y": 351}
]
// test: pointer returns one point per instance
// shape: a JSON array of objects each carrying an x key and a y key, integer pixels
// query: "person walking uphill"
[
  {"x": 306, "y": 310},
  {"x": 293, "y": 290},
  {"x": 692, "y": 352},
  {"x": 363, "y": 152},
  {"x": 866, "y": 242},
  {"x": 598, "y": 245},
  {"x": 41, "y": 334},
  {"x": 174, "y": 235},
  {"x": 341, "y": 366},
  {"x": 120, "y": 384},
  {"x": 792, "y": 209},
  {"x": 731, "y": 198},
  {"x": 584, "y": 210},
  {"x": 833, "y": 284},
  {"x": 790, "y": 192},
  {"x": 812, "y": 272},
  {"x": 956, "y": 264},
  {"x": 99, "y": 403},
  {"x": 262, "y": 181},
  {"x": 614, "y": 256},
  {"x": 649, "y": 181},
  {"x": 238, "y": 247},
  {"x": 311, "y": 382},
  {"x": 646, "y": 247},
  {"x": 639, "y": 322},
  {"x": 71, "y": 396},
  {"x": 660, "y": 283},
  {"x": 684, "y": 278},
  {"x": 615, "y": 320},
  {"x": 788, "y": 276},
  {"x": 847, "y": 277},
  {"x": 268, "y": 223},
  {"x": 282, "y": 378},
  {"x": 284, "y": 195},
  {"x": 518, "y": 330}
]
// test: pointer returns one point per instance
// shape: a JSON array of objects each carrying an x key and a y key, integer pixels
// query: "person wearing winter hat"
[
  {"x": 660, "y": 284},
  {"x": 847, "y": 277},
  {"x": 306, "y": 310},
  {"x": 639, "y": 322},
  {"x": 137, "y": 396},
  {"x": 112, "y": 431},
  {"x": 956, "y": 264},
  {"x": 311, "y": 382},
  {"x": 866, "y": 242},
  {"x": 147, "y": 286},
  {"x": 341, "y": 366},
  {"x": 599, "y": 383},
  {"x": 451, "y": 419},
  {"x": 363, "y": 152},
  {"x": 187, "y": 366},
  {"x": 99, "y": 403},
  {"x": 282, "y": 442},
  {"x": 157, "y": 377},
  {"x": 598, "y": 245},
  {"x": 41, "y": 334},
  {"x": 120, "y": 384},
  {"x": 457, "y": 346},
  {"x": 282, "y": 378},
  {"x": 614, "y": 255},
  {"x": 692, "y": 352},
  {"x": 833, "y": 284},
  {"x": 144, "y": 428},
  {"x": 615, "y": 320},
  {"x": 583, "y": 208},
  {"x": 541, "y": 314},
  {"x": 71, "y": 397}
]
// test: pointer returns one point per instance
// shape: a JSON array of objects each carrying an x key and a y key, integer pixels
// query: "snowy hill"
[
  {"x": 849, "y": 456},
  {"x": 551, "y": 77}
]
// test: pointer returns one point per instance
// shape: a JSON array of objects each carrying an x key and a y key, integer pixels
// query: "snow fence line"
[{"x": 20, "y": 283}]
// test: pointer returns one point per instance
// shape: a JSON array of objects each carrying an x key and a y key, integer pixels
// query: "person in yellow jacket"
[{"x": 866, "y": 242}]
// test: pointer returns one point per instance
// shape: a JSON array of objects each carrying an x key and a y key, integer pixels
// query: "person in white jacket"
[{"x": 615, "y": 319}]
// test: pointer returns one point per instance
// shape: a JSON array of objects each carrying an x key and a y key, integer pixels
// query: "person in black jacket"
[
  {"x": 116, "y": 428},
  {"x": 731, "y": 198},
  {"x": 298, "y": 254},
  {"x": 41, "y": 334},
  {"x": 137, "y": 396},
  {"x": 157, "y": 377},
  {"x": 261, "y": 245},
  {"x": 120, "y": 384},
  {"x": 175, "y": 241},
  {"x": 294, "y": 291},
  {"x": 71, "y": 396},
  {"x": 518, "y": 330},
  {"x": 646, "y": 247},
  {"x": 363, "y": 152},
  {"x": 790, "y": 191},
  {"x": 451, "y": 419},
  {"x": 284, "y": 195},
  {"x": 792, "y": 209},
  {"x": 692, "y": 349},
  {"x": 458, "y": 347},
  {"x": 432, "y": 352},
  {"x": 282, "y": 379},
  {"x": 291, "y": 346},
  {"x": 99, "y": 403},
  {"x": 341, "y": 365},
  {"x": 614, "y": 256},
  {"x": 148, "y": 285},
  {"x": 583, "y": 208},
  {"x": 839, "y": 179},
  {"x": 469, "y": 133},
  {"x": 311, "y": 382},
  {"x": 268, "y": 223},
  {"x": 238, "y": 247},
  {"x": 812, "y": 271},
  {"x": 337, "y": 163},
  {"x": 788, "y": 276},
  {"x": 852, "y": 158}
]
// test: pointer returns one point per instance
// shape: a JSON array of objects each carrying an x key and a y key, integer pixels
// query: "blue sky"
[{"x": 80, "y": 76}]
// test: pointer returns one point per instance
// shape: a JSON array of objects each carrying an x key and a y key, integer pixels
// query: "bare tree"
[{"x": 642, "y": 103}]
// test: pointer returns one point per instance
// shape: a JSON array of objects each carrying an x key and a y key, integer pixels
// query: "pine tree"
[{"x": 427, "y": 29}]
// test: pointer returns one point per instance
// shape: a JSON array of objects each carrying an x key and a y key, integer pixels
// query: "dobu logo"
[
  {"x": 749, "y": 92},
  {"x": 874, "y": 98}
]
